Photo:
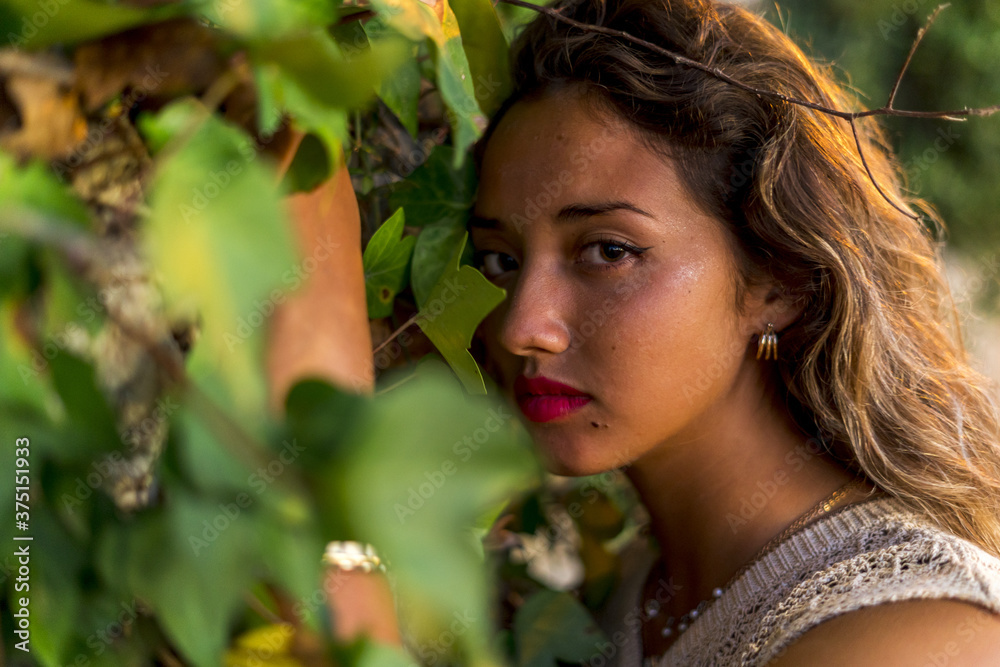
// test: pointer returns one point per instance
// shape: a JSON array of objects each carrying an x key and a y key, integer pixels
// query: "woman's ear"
[{"x": 771, "y": 302}]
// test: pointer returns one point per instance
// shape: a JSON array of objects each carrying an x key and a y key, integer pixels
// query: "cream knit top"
[{"x": 864, "y": 554}]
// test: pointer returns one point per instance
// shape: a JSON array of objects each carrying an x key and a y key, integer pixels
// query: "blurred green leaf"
[
  {"x": 218, "y": 238},
  {"x": 54, "y": 592},
  {"x": 87, "y": 411},
  {"x": 386, "y": 264},
  {"x": 426, "y": 462},
  {"x": 455, "y": 306},
  {"x": 29, "y": 24},
  {"x": 268, "y": 19},
  {"x": 554, "y": 626},
  {"x": 307, "y": 75},
  {"x": 22, "y": 377},
  {"x": 310, "y": 166},
  {"x": 207, "y": 546},
  {"x": 34, "y": 188}
]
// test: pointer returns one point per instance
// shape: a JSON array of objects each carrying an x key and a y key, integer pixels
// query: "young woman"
[{"x": 707, "y": 289}]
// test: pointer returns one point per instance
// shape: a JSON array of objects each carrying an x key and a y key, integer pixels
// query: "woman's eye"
[
  {"x": 493, "y": 263},
  {"x": 607, "y": 252}
]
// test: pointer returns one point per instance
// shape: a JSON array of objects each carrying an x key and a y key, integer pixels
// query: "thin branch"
[
  {"x": 395, "y": 333},
  {"x": 761, "y": 92},
  {"x": 871, "y": 176},
  {"x": 849, "y": 116},
  {"x": 913, "y": 49}
]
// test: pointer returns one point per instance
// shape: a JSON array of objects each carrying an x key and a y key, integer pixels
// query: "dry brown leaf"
[{"x": 165, "y": 60}]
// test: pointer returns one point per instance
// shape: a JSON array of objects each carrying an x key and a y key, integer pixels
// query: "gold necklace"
[{"x": 671, "y": 626}]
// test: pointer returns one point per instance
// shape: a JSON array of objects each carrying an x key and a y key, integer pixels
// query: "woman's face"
[{"x": 619, "y": 286}]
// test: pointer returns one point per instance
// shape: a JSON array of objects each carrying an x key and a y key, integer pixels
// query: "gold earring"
[{"x": 768, "y": 343}]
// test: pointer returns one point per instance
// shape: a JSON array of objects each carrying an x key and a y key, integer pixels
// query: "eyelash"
[{"x": 634, "y": 251}]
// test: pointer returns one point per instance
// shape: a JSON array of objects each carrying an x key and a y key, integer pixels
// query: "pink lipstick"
[{"x": 543, "y": 400}]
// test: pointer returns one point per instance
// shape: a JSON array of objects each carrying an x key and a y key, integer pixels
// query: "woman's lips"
[{"x": 543, "y": 400}]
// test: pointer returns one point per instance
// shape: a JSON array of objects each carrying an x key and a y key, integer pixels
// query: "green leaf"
[
  {"x": 87, "y": 411},
  {"x": 191, "y": 562},
  {"x": 29, "y": 24},
  {"x": 554, "y": 625},
  {"x": 437, "y": 190},
  {"x": 386, "y": 262},
  {"x": 454, "y": 308},
  {"x": 56, "y": 560},
  {"x": 486, "y": 49},
  {"x": 218, "y": 239},
  {"x": 425, "y": 463},
  {"x": 401, "y": 93},
  {"x": 307, "y": 75},
  {"x": 310, "y": 166},
  {"x": 435, "y": 245},
  {"x": 21, "y": 369},
  {"x": 268, "y": 19},
  {"x": 417, "y": 21},
  {"x": 34, "y": 188}
]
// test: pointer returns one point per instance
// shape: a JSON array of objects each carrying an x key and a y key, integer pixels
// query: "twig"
[
  {"x": 849, "y": 116},
  {"x": 913, "y": 49},
  {"x": 254, "y": 603},
  {"x": 871, "y": 176},
  {"x": 395, "y": 333}
]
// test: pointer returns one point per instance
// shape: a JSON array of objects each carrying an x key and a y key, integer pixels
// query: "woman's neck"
[{"x": 717, "y": 494}]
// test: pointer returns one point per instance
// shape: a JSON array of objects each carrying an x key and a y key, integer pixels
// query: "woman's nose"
[{"x": 535, "y": 318}]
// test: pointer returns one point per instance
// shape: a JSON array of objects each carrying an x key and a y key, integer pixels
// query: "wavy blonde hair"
[{"x": 875, "y": 362}]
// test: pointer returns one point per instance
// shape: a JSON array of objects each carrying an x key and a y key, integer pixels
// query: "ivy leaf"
[
  {"x": 386, "y": 260},
  {"x": 431, "y": 253},
  {"x": 554, "y": 626},
  {"x": 416, "y": 20},
  {"x": 487, "y": 51},
  {"x": 456, "y": 305},
  {"x": 218, "y": 239},
  {"x": 437, "y": 190}
]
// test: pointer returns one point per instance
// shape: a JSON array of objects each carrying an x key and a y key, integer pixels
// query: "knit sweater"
[{"x": 862, "y": 555}]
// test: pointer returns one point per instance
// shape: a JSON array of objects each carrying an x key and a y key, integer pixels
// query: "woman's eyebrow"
[
  {"x": 570, "y": 212},
  {"x": 578, "y": 211}
]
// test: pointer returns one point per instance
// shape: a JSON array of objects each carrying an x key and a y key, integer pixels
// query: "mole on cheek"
[{"x": 596, "y": 425}]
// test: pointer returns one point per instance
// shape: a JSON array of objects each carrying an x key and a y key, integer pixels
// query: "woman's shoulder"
[
  {"x": 896, "y": 634},
  {"x": 888, "y": 567},
  {"x": 856, "y": 560}
]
